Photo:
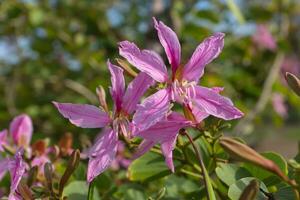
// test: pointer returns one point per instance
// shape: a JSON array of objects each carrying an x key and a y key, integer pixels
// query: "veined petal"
[
  {"x": 117, "y": 89},
  {"x": 217, "y": 89},
  {"x": 3, "y": 167},
  {"x": 170, "y": 42},
  {"x": 3, "y": 139},
  {"x": 102, "y": 153},
  {"x": 40, "y": 161},
  {"x": 153, "y": 109},
  {"x": 21, "y": 130},
  {"x": 145, "y": 60},
  {"x": 208, "y": 50},
  {"x": 214, "y": 104},
  {"x": 135, "y": 91},
  {"x": 83, "y": 115},
  {"x": 167, "y": 150},
  {"x": 164, "y": 130},
  {"x": 199, "y": 113},
  {"x": 16, "y": 168},
  {"x": 143, "y": 148}
]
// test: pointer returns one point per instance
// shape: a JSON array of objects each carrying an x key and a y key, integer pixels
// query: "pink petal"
[
  {"x": 135, "y": 91},
  {"x": 3, "y": 139},
  {"x": 164, "y": 130},
  {"x": 118, "y": 84},
  {"x": 16, "y": 168},
  {"x": 264, "y": 38},
  {"x": 279, "y": 104},
  {"x": 40, "y": 161},
  {"x": 3, "y": 167},
  {"x": 145, "y": 60},
  {"x": 143, "y": 148},
  {"x": 214, "y": 104},
  {"x": 83, "y": 115},
  {"x": 199, "y": 113},
  {"x": 21, "y": 130},
  {"x": 14, "y": 197},
  {"x": 102, "y": 153},
  {"x": 167, "y": 150},
  {"x": 169, "y": 41},
  {"x": 153, "y": 109},
  {"x": 217, "y": 89},
  {"x": 208, "y": 50}
]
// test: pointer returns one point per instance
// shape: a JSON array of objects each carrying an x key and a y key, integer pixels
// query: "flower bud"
[
  {"x": 250, "y": 191},
  {"x": 21, "y": 130},
  {"x": 293, "y": 82},
  {"x": 102, "y": 97},
  {"x": 24, "y": 191},
  {"x": 65, "y": 144},
  {"x": 72, "y": 165},
  {"x": 244, "y": 153},
  {"x": 39, "y": 148},
  {"x": 32, "y": 175},
  {"x": 48, "y": 171},
  {"x": 126, "y": 67}
]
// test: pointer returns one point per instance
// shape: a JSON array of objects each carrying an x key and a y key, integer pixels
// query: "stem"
[
  {"x": 8, "y": 149},
  {"x": 154, "y": 150},
  {"x": 191, "y": 173},
  {"x": 202, "y": 166},
  {"x": 91, "y": 191}
]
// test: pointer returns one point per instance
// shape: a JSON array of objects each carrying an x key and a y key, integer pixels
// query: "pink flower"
[
  {"x": 291, "y": 64},
  {"x": 120, "y": 160},
  {"x": 3, "y": 139},
  {"x": 16, "y": 167},
  {"x": 21, "y": 130},
  {"x": 181, "y": 86},
  {"x": 263, "y": 38},
  {"x": 279, "y": 105},
  {"x": 103, "y": 152},
  {"x": 164, "y": 132}
]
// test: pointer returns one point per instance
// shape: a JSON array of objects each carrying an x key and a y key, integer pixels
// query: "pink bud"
[{"x": 21, "y": 130}]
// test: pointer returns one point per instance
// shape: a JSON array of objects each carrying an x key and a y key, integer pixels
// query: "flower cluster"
[
  {"x": 20, "y": 156},
  {"x": 152, "y": 119}
]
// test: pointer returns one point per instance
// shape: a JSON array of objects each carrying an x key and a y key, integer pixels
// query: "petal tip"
[{"x": 155, "y": 22}]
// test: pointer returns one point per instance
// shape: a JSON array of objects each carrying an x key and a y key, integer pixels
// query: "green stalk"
[
  {"x": 91, "y": 191},
  {"x": 208, "y": 185}
]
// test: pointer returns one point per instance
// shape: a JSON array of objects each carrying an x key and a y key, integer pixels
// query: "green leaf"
[
  {"x": 78, "y": 190},
  {"x": 36, "y": 16},
  {"x": 206, "y": 153},
  {"x": 230, "y": 173},
  {"x": 236, "y": 189},
  {"x": 208, "y": 185},
  {"x": 286, "y": 193},
  {"x": 130, "y": 192},
  {"x": 150, "y": 166},
  {"x": 177, "y": 186}
]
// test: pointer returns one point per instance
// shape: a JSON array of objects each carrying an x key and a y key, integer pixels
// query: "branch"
[
  {"x": 77, "y": 87},
  {"x": 242, "y": 126}
]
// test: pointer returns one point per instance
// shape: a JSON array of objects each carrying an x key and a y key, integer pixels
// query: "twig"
[
  {"x": 241, "y": 127},
  {"x": 79, "y": 88},
  {"x": 202, "y": 166}
]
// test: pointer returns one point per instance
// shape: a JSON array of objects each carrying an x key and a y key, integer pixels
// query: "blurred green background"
[{"x": 57, "y": 50}]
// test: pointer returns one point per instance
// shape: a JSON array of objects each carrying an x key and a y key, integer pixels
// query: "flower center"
[
  {"x": 183, "y": 91},
  {"x": 121, "y": 124}
]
